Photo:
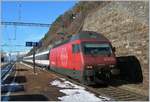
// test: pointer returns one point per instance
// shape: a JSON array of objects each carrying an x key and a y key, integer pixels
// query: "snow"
[
  {"x": 65, "y": 84},
  {"x": 105, "y": 98},
  {"x": 78, "y": 95},
  {"x": 75, "y": 93}
]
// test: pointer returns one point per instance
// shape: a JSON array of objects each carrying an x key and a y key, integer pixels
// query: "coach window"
[{"x": 75, "y": 48}]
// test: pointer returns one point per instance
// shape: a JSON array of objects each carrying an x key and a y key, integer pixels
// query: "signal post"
[{"x": 33, "y": 44}]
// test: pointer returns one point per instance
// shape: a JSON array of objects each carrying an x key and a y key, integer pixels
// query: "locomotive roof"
[
  {"x": 88, "y": 35},
  {"x": 84, "y": 35}
]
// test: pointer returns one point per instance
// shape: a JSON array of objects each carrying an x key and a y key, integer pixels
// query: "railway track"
[
  {"x": 121, "y": 95},
  {"x": 6, "y": 69},
  {"x": 115, "y": 93}
]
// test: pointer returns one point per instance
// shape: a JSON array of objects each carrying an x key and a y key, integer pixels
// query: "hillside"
[
  {"x": 69, "y": 23},
  {"x": 125, "y": 24}
]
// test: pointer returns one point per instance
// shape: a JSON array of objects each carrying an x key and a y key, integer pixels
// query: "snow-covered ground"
[{"x": 75, "y": 93}]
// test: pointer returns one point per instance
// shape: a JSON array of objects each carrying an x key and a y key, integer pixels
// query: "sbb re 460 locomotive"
[{"x": 87, "y": 56}]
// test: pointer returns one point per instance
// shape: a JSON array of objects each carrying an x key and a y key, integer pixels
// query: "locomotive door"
[{"x": 75, "y": 58}]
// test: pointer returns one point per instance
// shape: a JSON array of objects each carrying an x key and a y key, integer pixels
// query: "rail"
[{"x": 6, "y": 69}]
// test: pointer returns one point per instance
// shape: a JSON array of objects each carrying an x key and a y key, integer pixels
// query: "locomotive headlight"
[
  {"x": 111, "y": 66},
  {"x": 89, "y": 67}
]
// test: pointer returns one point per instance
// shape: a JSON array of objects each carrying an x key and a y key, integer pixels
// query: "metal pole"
[{"x": 34, "y": 59}]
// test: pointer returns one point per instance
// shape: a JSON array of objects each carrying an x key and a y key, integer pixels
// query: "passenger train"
[{"x": 87, "y": 56}]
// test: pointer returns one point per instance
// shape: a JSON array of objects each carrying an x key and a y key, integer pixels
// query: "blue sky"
[{"x": 31, "y": 12}]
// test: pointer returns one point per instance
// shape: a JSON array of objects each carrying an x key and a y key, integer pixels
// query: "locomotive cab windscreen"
[{"x": 97, "y": 49}]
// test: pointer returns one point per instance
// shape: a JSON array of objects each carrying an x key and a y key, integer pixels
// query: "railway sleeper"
[
  {"x": 130, "y": 99},
  {"x": 111, "y": 91},
  {"x": 119, "y": 91},
  {"x": 128, "y": 96},
  {"x": 125, "y": 95},
  {"x": 120, "y": 94},
  {"x": 127, "y": 99},
  {"x": 132, "y": 94}
]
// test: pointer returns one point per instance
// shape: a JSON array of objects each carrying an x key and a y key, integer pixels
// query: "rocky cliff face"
[{"x": 126, "y": 25}]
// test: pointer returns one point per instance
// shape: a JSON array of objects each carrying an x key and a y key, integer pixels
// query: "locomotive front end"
[{"x": 99, "y": 62}]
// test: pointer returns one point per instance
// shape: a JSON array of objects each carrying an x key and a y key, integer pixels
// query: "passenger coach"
[{"x": 41, "y": 59}]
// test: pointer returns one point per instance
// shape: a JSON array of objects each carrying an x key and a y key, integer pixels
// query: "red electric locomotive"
[{"x": 86, "y": 56}]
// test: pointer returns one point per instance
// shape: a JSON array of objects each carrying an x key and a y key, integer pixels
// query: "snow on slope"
[{"x": 75, "y": 93}]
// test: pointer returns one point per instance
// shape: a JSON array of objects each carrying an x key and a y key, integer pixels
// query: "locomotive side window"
[{"x": 75, "y": 48}]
